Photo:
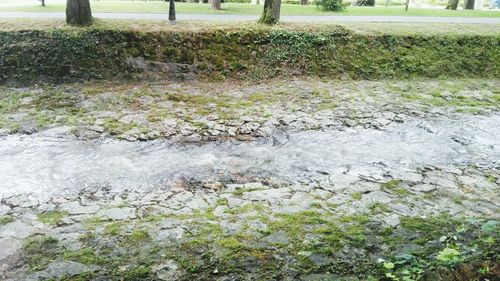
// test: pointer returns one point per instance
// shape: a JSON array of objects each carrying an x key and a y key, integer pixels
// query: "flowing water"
[{"x": 48, "y": 164}]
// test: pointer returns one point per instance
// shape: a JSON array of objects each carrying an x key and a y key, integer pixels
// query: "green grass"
[
  {"x": 194, "y": 26},
  {"x": 246, "y": 9}
]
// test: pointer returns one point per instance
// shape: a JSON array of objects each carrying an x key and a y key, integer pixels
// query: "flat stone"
[
  {"x": 167, "y": 271},
  {"x": 475, "y": 181},
  {"x": 17, "y": 229},
  {"x": 117, "y": 213},
  {"x": 9, "y": 246},
  {"x": 339, "y": 199},
  {"x": 197, "y": 203},
  {"x": 280, "y": 237},
  {"x": 233, "y": 202},
  {"x": 392, "y": 220},
  {"x": 169, "y": 235},
  {"x": 425, "y": 188},
  {"x": 376, "y": 197},
  {"x": 74, "y": 208},
  {"x": 270, "y": 195},
  {"x": 441, "y": 179},
  {"x": 65, "y": 268}
]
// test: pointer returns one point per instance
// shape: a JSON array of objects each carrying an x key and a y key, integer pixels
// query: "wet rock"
[
  {"x": 146, "y": 100},
  {"x": 230, "y": 228},
  {"x": 440, "y": 178},
  {"x": 75, "y": 208},
  {"x": 423, "y": 188},
  {"x": 167, "y": 271},
  {"x": 280, "y": 237},
  {"x": 270, "y": 195},
  {"x": 9, "y": 246},
  {"x": 17, "y": 229},
  {"x": 117, "y": 214},
  {"x": 59, "y": 269},
  {"x": 476, "y": 181},
  {"x": 392, "y": 220}
]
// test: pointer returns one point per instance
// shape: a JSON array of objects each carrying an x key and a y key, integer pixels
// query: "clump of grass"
[
  {"x": 52, "y": 217},
  {"x": 6, "y": 219}
]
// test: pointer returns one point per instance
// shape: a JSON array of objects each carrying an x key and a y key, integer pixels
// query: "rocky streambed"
[{"x": 363, "y": 182}]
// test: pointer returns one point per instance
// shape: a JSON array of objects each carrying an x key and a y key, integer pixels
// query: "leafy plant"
[
  {"x": 448, "y": 255},
  {"x": 331, "y": 5}
]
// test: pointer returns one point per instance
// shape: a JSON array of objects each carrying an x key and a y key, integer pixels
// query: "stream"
[{"x": 46, "y": 163}]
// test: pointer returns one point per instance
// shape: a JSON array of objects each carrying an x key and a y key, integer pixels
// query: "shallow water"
[{"x": 42, "y": 164}]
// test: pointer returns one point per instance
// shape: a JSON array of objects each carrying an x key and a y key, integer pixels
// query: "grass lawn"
[
  {"x": 244, "y": 9},
  {"x": 361, "y": 27}
]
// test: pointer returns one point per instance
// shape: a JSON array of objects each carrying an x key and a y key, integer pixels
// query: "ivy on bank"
[{"x": 97, "y": 53}]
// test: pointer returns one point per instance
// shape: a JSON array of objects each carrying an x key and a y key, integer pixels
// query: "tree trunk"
[
  {"x": 43, "y": 3},
  {"x": 452, "y": 5},
  {"x": 215, "y": 4},
  {"x": 469, "y": 4},
  {"x": 271, "y": 13},
  {"x": 171, "y": 12},
  {"x": 304, "y": 2},
  {"x": 78, "y": 12}
]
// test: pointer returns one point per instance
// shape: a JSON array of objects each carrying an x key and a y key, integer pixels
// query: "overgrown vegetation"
[{"x": 249, "y": 53}]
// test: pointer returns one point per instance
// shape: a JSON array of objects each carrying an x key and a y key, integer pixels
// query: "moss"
[
  {"x": 51, "y": 217},
  {"x": 378, "y": 208},
  {"x": 85, "y": 255},
  {"x": 138, "y": 236},
  {"x": 113, "y": 228},
  {"x": 252, "y": 52},
  {"x": 356, "y": 195},
  {"x": 6, "y": 219},
  {"x": 40, "y": 251}
]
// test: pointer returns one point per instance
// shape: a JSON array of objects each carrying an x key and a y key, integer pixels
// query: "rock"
[
  {"x": 74, "y": 208},
  {"x": 117, "y": 214},
  {"x": 167, "y": 271},
  {"x": 279, "y": 237},
  {"x": 59, "y": 269},
  {"x": 392, "y": 220},
  {"x": 9, "y": 246},
  {"x": 476, "y": 181},
  {"x": 270, "y": 195},
  {"x": 17, "y": 229},
  {"x": 134, "y": 118},
  {"x": 170, "y": 235},
  {"x": 375, "y": 197},
  {"x": 197, "y": 203},
  {"x": 146, "y": 100},
  {"x": 249, "y": 128},
  {"x": 428, "y": 128},
  {"x": 440, "y": 178},
  {"x": 230, "y": 228},
  {"x": 233, "y": 202},
  {"x": 424, "y": 188}
]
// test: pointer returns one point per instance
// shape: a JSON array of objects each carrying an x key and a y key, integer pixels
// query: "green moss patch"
[{"x": 251, "y": 52}]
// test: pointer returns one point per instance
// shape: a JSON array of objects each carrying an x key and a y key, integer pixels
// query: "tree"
[
  {"x": 78, "y": 12},
  {"x": 43, "y": 3},
  {"x": 171, "y": 12},
  {"x": 469, "y": 4},
  {"x": 271, "y": 13},
  {"x": 452, "y": 5},
  {"x": 215, "y": 4}
]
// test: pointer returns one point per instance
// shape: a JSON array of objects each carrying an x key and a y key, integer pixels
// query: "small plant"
[
  {"x": 448, "y": 255},
  {"x": 331, "y": 5},
  {"x": 6, "y": 219}
]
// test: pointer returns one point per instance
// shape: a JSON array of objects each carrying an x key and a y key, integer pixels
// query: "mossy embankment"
[{"x": 249, "y": 52}]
